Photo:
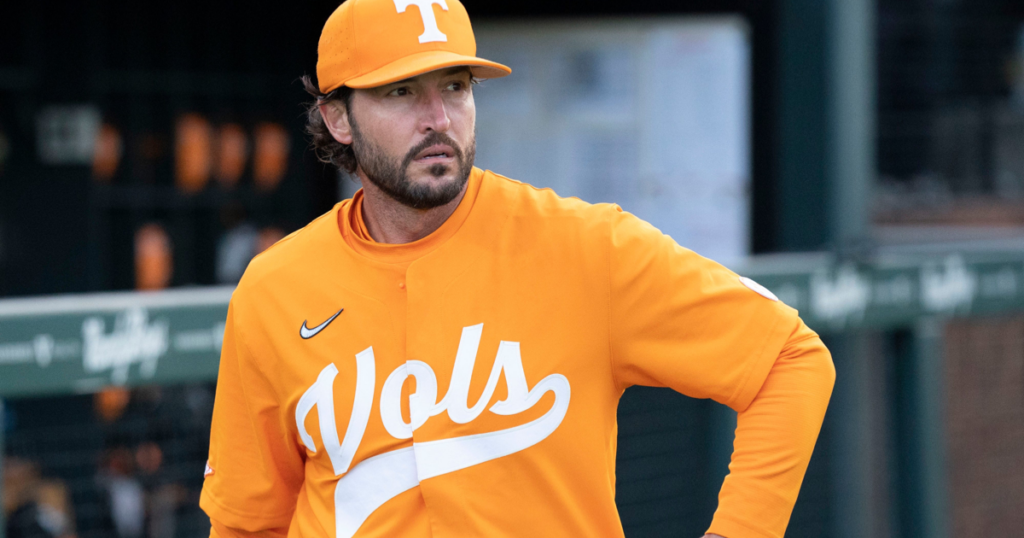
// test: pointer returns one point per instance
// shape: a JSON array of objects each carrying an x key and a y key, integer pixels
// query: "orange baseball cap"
[{"x": 369, "y": 43}]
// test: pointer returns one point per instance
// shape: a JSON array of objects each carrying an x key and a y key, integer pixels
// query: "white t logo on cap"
[{"x": 430, "y": 30}]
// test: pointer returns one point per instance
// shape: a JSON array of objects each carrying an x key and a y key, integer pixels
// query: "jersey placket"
[
  {"x": 444, "y": 349},
  {"x": 381, "y": 472},
  {"x": 424, "y": 296}
]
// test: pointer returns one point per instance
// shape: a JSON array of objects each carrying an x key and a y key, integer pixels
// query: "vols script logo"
[{"x": 374, "y": 481}]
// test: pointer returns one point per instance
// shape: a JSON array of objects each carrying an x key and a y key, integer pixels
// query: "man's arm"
[
  {"x": 682, "y": 321},
  {"x": 775, "y": 436},
  {"x": 254, "y": 472}
]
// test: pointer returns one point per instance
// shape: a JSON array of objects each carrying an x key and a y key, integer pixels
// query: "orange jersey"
[{"x": 466, "y": 384}]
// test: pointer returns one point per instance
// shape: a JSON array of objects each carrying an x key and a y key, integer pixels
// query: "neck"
[{"x": 393, "y": 223}]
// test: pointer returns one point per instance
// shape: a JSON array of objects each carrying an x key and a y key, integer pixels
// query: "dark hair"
[{"x": 326, "y": 148}]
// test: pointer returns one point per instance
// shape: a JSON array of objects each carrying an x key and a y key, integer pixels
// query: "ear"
[{"x": 336, "y": 119}]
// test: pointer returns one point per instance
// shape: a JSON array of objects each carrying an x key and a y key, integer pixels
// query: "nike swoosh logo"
[{"x": 306, "y": 334}]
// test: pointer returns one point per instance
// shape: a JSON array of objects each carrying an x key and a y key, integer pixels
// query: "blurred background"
[{"x": 862, "y": 159}]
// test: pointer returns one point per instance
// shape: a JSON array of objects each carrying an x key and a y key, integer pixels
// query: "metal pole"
[
  {"x": 931, "y": 391},
  {"x": 851, "y": 118},
  {"x": 801, "y": 182},
  {"x": 851, "y": 441},
  {"x": 857, "y": 443}
]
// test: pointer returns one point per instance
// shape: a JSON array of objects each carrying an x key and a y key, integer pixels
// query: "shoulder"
[
  {"x": 547, "y": 209},
  {"x": 297, "y": 254},
  {"x": 602, "y": 225}
]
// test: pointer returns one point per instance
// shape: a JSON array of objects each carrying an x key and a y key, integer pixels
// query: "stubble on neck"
[{"x": 389, "y": 221}]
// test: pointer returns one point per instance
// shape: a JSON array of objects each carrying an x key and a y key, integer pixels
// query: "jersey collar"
[{"x": 356, "y": 236}]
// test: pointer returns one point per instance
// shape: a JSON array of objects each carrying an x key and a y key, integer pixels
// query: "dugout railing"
[{"x": 77, "y": 344}]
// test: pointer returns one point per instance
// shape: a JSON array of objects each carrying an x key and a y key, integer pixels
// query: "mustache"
[{"x": 432, "y": 139}]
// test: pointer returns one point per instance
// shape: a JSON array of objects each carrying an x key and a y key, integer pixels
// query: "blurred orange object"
[
  {"x": 268, "y": 236},
  {"x": 107, "y": 154},
  {"x": 149, "y": 457},
  {"x": 110, "y": 403},
  {"x": 232, "y": 152},
  {"x": 153, "y": 258},
  {"x": 193, "y": 152},
  {"x": 271, "y": 159}
]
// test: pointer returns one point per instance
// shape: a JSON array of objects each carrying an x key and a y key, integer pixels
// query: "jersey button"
[{"x": 401, "y": 285}]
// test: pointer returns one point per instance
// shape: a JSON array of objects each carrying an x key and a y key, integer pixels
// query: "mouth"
[{"x": 435, "y": 154}]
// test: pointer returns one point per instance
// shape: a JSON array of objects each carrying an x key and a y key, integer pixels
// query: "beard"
[{"x": 392, "y": 176}]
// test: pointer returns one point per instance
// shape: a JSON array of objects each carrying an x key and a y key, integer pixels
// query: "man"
[{"x": 442, "y": 355}]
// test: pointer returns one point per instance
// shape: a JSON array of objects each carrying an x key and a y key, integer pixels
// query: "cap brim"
[{"x": 424, "y": 62}]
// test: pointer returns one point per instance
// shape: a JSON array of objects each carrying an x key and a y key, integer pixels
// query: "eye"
[
  {"x": 457, "y": 86},
  {"x": 400, "y": 91}
]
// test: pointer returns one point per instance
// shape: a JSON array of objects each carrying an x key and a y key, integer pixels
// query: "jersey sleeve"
[
  {"x": 775, "y": 437},
  {"x": 255, "y": 469},
  {"x": 680, "y": 320}
]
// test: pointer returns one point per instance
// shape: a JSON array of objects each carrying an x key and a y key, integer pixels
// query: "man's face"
[{"x": 415, "y": 139}]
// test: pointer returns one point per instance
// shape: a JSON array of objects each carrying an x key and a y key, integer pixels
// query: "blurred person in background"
[
  {"x": 124, "y": 494},
  {"x": 147, "y": 480},
  {"x": 240, "y": 242},
  {"x": 163, "y": 496},
  {"x": 33, "y": 507},
  {"x": 237, "y": 245}
]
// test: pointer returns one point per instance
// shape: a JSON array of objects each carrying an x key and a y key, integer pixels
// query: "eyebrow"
[{"x": 449, "y": 71}]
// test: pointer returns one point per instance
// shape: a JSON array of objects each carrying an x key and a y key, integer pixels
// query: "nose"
[{"x": 434, "y": 115}]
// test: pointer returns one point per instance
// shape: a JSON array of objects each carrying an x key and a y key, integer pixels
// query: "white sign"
[
  {"x": 133, "y": 340},
  {"x": 840, "y": 298},
  {"x": 67, "y": 134},
  {"x": 653, "y": 115},
  {"x": 948, "y": 287}
]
